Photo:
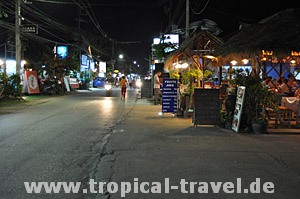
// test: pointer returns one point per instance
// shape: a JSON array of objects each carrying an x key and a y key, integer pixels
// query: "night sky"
[{"x": 141, "y": 20}]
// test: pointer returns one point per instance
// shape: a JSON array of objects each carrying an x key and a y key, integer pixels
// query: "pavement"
[{"x": 146, "y": 146}]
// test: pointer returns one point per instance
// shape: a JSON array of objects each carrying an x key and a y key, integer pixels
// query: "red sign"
[
  {"x": 74, "y": 83},
  {"x": 32, "y": 82}
]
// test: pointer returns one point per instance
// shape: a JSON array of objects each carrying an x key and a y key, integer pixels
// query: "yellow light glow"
[
  {"x": 263, "y": 59},
  {"x": 209, "y": 57},
  {"x": 265, "y": 52},
  {"x": 295, "y": 53}
]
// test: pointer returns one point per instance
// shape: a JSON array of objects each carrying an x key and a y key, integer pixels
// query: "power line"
[
  {"x": 89, "y": 10},
  {"x": 197, "y": 13},
  {"x": 56, "y": 2}
]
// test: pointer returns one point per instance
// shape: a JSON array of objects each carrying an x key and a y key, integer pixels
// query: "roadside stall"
[{"x": 272, "y": 51}]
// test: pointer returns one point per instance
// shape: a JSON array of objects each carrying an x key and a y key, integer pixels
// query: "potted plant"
[
  {"x": 226, "y": 120},
  {"x": 259, "y": 124}
]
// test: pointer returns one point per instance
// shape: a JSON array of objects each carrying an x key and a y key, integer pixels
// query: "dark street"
[{"x": 85, "y": 135}]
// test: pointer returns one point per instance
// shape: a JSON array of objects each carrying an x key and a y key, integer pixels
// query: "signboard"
[
  {"x": 66, "y": 81},
  {"x": 29, "y": 28},
  {"x": 32, "y": 82},
  {"x": 238, "y": 108},
  {"x": 102, "y": 67},
  {"x": 74, "y": 82},
  {"x": 169, "y": 95},
  {"x": 207, "y": 107}
]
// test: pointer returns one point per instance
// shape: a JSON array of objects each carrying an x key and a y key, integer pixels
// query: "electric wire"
[
  {"x": 55, "y": 2},
  {"x": 197, "y": 13}
]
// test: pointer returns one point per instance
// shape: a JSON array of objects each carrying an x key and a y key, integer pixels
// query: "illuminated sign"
[
  {"x": 84, "y": 60},
  {"x": 62, "y": 51},
  {"x": 102, "y": 67}
]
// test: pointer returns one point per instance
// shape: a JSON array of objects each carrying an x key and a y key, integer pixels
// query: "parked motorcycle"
[
  {"x": 49, "y": 90},
  {"x": 51, "y": 86}
]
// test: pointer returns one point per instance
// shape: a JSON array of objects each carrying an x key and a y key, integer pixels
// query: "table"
[{"x": 292, "y": 103}]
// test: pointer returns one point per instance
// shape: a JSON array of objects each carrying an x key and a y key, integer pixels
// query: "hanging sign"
[
  {"x": 29, "y": 28},
  {"x": 238, "y": 108}
]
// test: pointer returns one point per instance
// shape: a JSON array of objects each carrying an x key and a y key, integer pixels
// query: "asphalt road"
[
  {"x": 84, "y": 136},
  {"x": 60, "y": 139}
]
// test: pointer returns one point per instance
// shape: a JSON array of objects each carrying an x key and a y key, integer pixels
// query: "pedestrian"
[
  {"x": 123, "y": 84},
  {"x": 156, "y": 87},
  {"x": 134, "y": 83},
  {"x": 130, "y": 83}
]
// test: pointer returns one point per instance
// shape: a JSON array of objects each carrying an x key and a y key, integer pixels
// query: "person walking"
[
  {"x": 123, "y": 84},
  {"x": 156, "y": 87}
]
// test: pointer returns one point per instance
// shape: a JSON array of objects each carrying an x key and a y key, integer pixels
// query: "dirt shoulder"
[{"x": 11, "y": 105}]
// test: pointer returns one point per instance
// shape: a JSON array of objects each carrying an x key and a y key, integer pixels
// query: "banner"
[{"x": 32, "y": 82}]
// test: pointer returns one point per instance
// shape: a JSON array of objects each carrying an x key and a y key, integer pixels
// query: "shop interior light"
[
  {"x": 245, "y": 61},
  {"x": 264, "y": 59},
  {"x": 23, "y": 62},
  {"x": 233, "y": 62},
  {"x": 209, "y": 57},
  {"x": 177, "y": 65},
  {"x": 184, "y": 65}
]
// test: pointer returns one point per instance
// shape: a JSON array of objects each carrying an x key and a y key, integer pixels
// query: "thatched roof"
[{"x": 279, "y": 33}]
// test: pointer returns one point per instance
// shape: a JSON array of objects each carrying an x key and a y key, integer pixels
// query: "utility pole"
[
  {"x": 17, "y": 35},
  {"x": 79, "y": 36},
  {"x": 113, "y": 56},
  {"x": 187, "y": 19}
]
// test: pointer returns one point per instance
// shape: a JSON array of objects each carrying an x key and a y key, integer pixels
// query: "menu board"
[
  {"x": 207, "y": 107},
  {"x": 169, "y": 95},
  {"x": 238, "y": 108}
]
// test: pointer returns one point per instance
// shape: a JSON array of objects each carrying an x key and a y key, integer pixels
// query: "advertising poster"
[
  {"x": 237, "y": 114},
  {"x": 32, "y": 82}
]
